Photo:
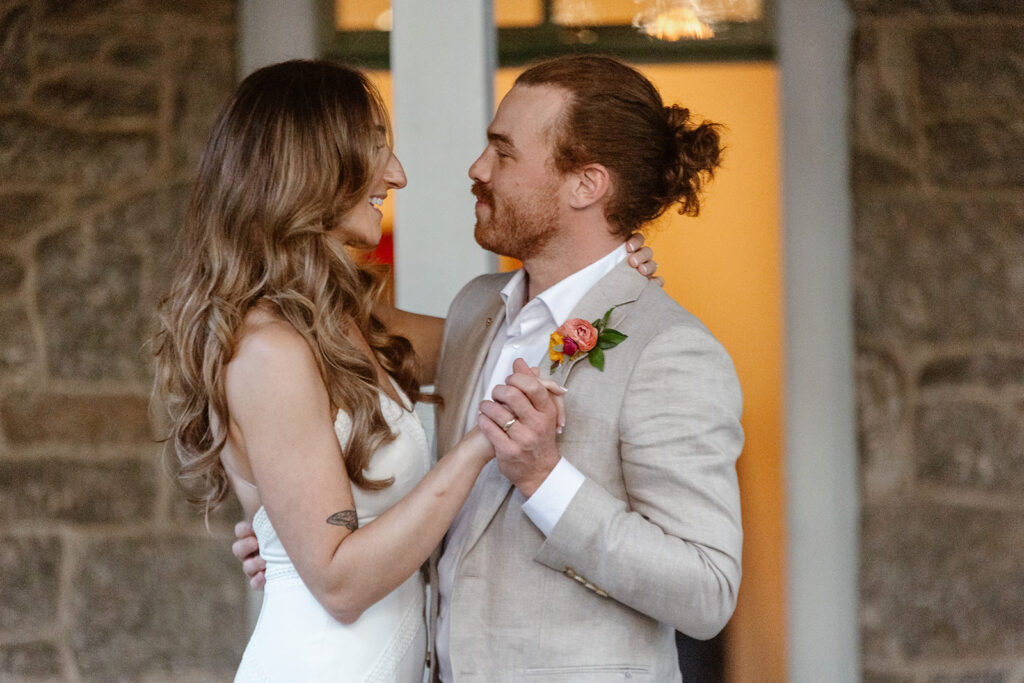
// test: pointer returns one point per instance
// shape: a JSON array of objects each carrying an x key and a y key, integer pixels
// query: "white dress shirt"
[{"x": 524, "y": 333}]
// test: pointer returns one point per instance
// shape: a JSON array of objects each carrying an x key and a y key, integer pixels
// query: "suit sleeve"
[{"x": 673, "y": 550}]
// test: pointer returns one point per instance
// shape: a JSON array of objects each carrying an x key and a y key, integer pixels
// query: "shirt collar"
[{"x": 561, "y": 297}]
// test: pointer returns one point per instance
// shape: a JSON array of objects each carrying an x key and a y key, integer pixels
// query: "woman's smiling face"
[{"x": 361, "y": 226}]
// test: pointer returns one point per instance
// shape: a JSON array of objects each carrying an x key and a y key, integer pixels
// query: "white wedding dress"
[{"x": 295, "y": 639}]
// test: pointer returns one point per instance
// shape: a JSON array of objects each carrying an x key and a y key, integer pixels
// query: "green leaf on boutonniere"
[
  {"x": 610, "y": 338},
  {"x": 607, "y": 338}
]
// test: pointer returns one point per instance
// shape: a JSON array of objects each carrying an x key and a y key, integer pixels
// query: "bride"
[{"x": 291, "y": 385}]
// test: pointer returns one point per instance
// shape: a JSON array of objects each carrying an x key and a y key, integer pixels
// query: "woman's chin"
[{"x": 363, "y": 243}]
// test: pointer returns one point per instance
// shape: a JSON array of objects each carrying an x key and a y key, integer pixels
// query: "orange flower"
[
  {"x": 577, "y": 338},
  {"x": 581, "y": 332}
]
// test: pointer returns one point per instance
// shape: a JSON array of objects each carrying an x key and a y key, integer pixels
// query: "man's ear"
[{"x": 591, "y": 184}]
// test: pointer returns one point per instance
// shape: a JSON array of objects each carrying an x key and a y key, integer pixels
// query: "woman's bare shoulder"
[{"x": 268, "y": 348}]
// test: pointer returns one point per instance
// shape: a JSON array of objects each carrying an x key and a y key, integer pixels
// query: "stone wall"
[
  {"x": 938, "y": 169},
  {"x": 104, "y": 573}
]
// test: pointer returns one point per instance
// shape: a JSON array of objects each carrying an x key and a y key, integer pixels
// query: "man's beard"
[{"x": 520, "y": 230}]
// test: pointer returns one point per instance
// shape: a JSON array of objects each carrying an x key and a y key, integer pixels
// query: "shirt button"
[{"x": 515, "y": 345}]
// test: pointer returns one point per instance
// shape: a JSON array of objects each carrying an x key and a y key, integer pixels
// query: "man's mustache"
[{"x": 482, "y": 192}]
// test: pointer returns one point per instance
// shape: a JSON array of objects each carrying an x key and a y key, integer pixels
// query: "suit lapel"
[
  {"x": 619, "y": 287},
  {"x": 475, "y": 339}
]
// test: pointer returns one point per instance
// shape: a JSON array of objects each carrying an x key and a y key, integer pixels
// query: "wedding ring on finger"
[{"x": 508, "y": 425}]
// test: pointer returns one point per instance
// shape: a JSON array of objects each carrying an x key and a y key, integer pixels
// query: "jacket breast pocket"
[{"x": 594, "y": 673}]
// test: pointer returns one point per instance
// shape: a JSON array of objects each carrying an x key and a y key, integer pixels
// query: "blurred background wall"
[
  {"x": 104, "y": 573},
  {"x": 938, "y": 183},
  {"x": 104, "y": 107}
]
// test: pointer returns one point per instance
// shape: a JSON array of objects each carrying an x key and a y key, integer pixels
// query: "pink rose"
[
  {"x": 569, "y": 347},
  {"x": 579, "y": 331}
]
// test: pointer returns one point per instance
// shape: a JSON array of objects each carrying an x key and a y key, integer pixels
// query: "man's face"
[{"x": 514, "y": 180}]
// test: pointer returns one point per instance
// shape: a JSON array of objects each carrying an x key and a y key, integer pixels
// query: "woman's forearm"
[{"x": 377, "y": 558}]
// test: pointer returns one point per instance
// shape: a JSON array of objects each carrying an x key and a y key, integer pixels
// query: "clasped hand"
[{"x": 522, "y": 423}]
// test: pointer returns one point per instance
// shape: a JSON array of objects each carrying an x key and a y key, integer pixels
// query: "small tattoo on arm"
[{"x": 345, "y": 518}]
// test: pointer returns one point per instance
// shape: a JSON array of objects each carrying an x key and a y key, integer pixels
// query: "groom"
[{"x": 579, "y": 553}]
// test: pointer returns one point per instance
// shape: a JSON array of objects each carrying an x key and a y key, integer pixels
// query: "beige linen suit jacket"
[{"x": 650, "y": 543}]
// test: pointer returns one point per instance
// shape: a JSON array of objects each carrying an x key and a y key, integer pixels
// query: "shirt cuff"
[{"x": 548, "y": 503}]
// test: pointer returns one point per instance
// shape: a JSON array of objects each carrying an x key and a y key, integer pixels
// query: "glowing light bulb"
[{"x": 673, "y": 23}]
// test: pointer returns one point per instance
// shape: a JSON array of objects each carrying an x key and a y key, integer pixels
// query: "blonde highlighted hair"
[{"x": 294, "y": 149}]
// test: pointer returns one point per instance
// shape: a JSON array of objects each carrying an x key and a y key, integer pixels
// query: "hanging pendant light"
[{"x": 693, "y": 19}]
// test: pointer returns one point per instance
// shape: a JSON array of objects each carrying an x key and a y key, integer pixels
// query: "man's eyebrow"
[{"x": 500, "y": 138}]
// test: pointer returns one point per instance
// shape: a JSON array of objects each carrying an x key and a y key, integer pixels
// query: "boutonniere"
[{"x": 577, "y": 337}]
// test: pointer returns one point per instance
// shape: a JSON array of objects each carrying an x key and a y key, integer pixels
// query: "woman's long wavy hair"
[{"x": 293, "y": 151}]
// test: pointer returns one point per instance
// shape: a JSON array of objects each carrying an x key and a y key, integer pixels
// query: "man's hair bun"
[{"x": 694, "y": 155}]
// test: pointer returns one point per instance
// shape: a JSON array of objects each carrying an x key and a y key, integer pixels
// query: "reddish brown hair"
[{"x": 657, "y": 155}]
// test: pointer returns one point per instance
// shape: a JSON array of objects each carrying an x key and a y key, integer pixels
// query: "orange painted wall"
[{"x": 726, "y": 267}]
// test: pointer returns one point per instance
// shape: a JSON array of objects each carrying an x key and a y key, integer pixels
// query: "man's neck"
[{"x": 559, "y": 261}]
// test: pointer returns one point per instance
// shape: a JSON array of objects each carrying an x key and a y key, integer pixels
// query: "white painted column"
[
  {"x": 822, "y": 491},
  {"x": 443, "y": 55},
  {"x": 272, "y": 31}
]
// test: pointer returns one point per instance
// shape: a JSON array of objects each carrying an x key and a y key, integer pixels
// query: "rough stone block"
[
  {"x": 985, "y": 154},
  {"x": 34, "y": 661},
  {"x": 151, "y": 607},
  {"x": 78, "y": 9},
  {"x": 964, "y": 444},
  {"x": 887, "y": 462},
  {"x": 32, "y": 418},
  {"x": 15, "y": 24},
  {"x": 221, "y": 11},
  {"x": 30, "y": 568},
  {"x": 18, "y": 347},
  {"x": 934, "y": 270},
  {"x": 882, "y": 676},
  {"x": 991, "y": 370},
  {"x": 963, "y": 70},
  {"x": 883, "y": 114},
  {"x": 990, "y": 675},
  {"x": 94, "y": 98},
  {"x": 12, "y": 273},
  {"x": 21, "y": 212},
  {"x": 76, "y": 491},
  {"x": 89, "y": 300},
  {"x": 34, "y": 151},
  {"x": 224, "y": 517},
  {"x": 67, "y": 48},
  {"x": 1008, "y": 7},
  {"x": 897, "y": 6},
  {"x": 205, "y": 77},
  {"x": 143, "y": 54},
  {"x": 152, "y": 221},
  {"x": 941, "y": 582},
  {"x": 876, "y": 169}
]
